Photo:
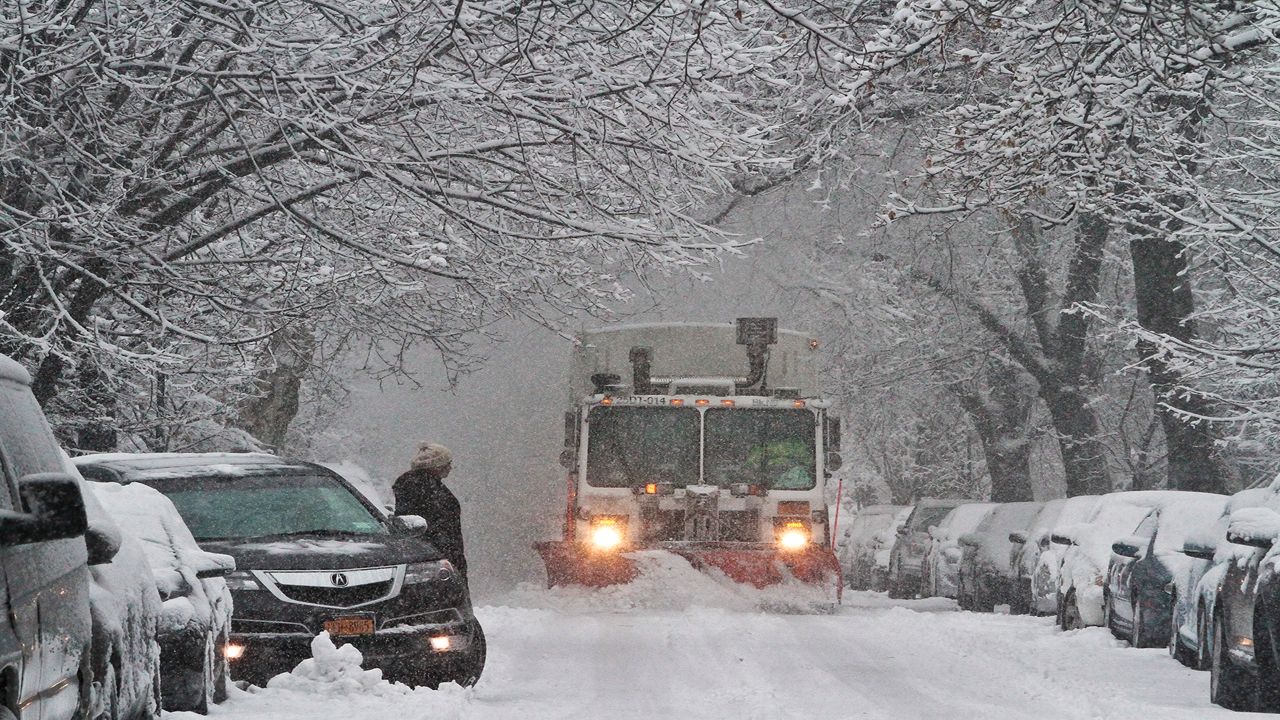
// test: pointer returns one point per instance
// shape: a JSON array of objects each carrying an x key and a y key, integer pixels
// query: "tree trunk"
[
  {"x": 267, "y": 416},
  {"x": 1002, "y": 416},
  {"x": 1165, "y": 305},
  {"x": 1084, "y": 455}
]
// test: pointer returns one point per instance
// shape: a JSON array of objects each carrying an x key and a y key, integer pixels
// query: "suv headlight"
[
  {"x": 441, "y": 570},
  {"x": 242, "y": 580}
]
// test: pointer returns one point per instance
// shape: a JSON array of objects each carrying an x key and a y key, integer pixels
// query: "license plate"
[{"x": 349, "y": 626}]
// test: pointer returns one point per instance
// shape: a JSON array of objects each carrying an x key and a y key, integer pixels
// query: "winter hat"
[{"x": 431, "y": 457}]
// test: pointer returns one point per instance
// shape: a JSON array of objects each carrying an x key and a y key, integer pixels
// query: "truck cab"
[{"x": 710, "y": 440}]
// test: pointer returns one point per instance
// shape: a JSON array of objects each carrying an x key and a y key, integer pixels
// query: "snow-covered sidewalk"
[{"x": 578, "y": 654}]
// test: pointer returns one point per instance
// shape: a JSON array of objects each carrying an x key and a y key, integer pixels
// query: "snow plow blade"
[
  {"x": 758, "y": 566},
  {"x": 763, "y": 567},
  {"x": 568, "y": 564}
]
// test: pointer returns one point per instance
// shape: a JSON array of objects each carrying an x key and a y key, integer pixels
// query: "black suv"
[
  {"x": 314, "y": 555},
  {"x": 45, "y": 634}
]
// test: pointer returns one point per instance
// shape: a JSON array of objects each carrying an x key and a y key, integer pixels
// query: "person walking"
[{"x": 421, "y": 491}]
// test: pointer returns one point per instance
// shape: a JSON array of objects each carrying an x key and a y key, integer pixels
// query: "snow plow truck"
[{"x": 709, "y": 441}]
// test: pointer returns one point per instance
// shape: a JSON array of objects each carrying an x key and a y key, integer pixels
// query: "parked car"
[
  {"x": 314, "y": 555},
  {"x": 1023, "y": 548},
  {"x": 195, "y": 618},
  {"x": 985, "y": 579},
  {"x": 907, "y": 556},
  {"x": 1242, "y": 642},
  {"x": 1140, "y": 589},
  {"x": 43, "y": 560},
  {"x": 1046, "y": 560},
  {"x": 1197, "y": 585},
  {"x": 941, "y": 568},
  {"x": 1084, "y": 563},
  {"x": 126, "y": 609},
  {"x": 869, "y": 533}
]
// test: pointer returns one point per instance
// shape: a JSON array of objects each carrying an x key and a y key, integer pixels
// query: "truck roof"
[{"x": 698, "y": 354}]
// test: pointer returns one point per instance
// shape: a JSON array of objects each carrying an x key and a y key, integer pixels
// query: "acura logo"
[{"x": 339, "y": 579}]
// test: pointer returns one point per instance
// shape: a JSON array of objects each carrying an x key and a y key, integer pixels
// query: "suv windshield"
[
  {"x": 223, "y": 508},
  {"x": 773, "y": 448}
]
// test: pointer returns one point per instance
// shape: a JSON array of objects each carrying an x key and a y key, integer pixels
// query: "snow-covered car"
[
  {"x": 126, "y": 611},
  {"x": 869, "y": 535},
  {"x": 1140, "y": 590},
  {"x": 941, "y": 569},
  {"x": 1043, "y": 563},
  {"x": 985, "y": 578},
  {"x": 1024, "y": 550},
  {"x": 1088, "y": 550},
  {"x": 45, "y": 585},
  {"x": 912, "y": 544},
  {"x": 1242, "y": 647},
  {"x": 195, "y": 619},
  {"x": 1196, "y": 585},
  {"x": 314, "y": 555}
]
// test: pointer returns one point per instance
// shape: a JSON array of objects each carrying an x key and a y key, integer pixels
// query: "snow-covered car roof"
[
  {"x": 144, "y": 466},
  {"x": 995, "y": 528},
  {"x": 1187, "y": 518},
  {"x": 965, "y": 518}
]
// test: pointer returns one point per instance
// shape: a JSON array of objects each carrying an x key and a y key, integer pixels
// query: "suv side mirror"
[
  {"x": 1198, "y": 551},
  {"x": 408, "y": 524},
  {"x": 1061, "y": 539},
  {"x": 1127, "y": 547},
  {"x": 1017, "y": 538},
  {"x": 55, "y": 511},
  {"x": 214, "y": 565},
  {"x": 1256, "y": 527}
]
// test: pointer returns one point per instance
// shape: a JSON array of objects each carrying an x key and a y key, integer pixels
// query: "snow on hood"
[{"x": 311, "y": 546}]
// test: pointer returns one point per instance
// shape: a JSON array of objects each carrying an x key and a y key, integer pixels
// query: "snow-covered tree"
[{"x": 180, "y": 181}]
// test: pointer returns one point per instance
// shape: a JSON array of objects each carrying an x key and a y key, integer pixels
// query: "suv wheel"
[{"x": 1229, "y": 686}]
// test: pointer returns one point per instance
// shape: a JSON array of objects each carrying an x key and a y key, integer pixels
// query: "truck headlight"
[
  {"x": 793, "y": 536},
  {"x": 607, "y": 532},
  {"x": 441, "y": 570}
]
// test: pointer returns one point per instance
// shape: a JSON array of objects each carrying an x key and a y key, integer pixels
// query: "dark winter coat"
[{"x": 422, "y": 492}]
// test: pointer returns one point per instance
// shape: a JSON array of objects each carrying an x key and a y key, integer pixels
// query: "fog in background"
[{"x": 504, "y": 422}]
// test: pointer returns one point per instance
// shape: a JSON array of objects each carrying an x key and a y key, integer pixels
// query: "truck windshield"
[
  {"x": 773, "y": 448},
  {"x": 631, "y": 446}
]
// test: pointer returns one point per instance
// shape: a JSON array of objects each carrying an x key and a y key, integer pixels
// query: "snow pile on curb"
[{"x": 335, "y": 671}]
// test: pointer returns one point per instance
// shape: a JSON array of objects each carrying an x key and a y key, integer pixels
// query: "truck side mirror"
[
  {"x": 55, "y": 511},
  {"x": 831, "y": 435},
  {"x": 569, "y": 456},
  {"x": 833, "y": 461}
]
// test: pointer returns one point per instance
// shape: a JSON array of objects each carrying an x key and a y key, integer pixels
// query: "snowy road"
[{"x": 569, "y": 654}]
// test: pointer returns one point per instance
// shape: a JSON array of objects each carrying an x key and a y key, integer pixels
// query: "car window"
[{"x": 28, "y": 444}]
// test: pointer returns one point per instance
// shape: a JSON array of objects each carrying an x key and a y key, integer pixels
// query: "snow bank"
[{"x": 335, "y": 671}]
